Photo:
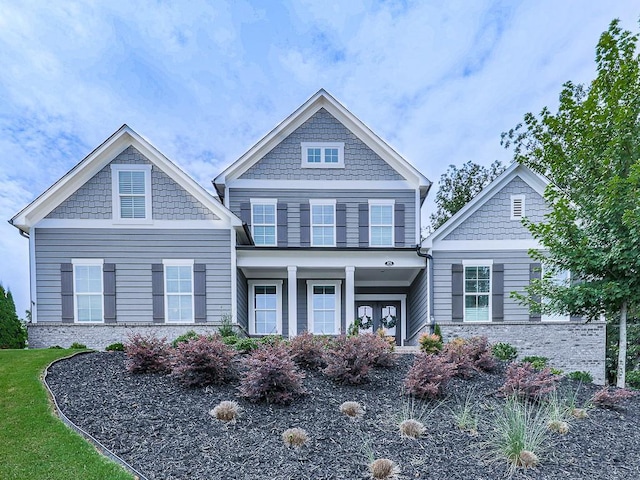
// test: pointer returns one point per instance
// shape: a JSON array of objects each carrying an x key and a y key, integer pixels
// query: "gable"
[
  {"x": 170, "y": 201},
  {"x": 492, "y": 220},
  {"x": 284, "y": 160}
]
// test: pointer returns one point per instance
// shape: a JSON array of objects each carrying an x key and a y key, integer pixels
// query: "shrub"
[
  {"x": 13, "y": 333},
  {"x": 381, "y": 347},
  {"x": 56, "y": 347},
  {"x": 185, "y": 337},
  {"x": 412, "y": 428},
  {"x": 115, "y": 347},
  {"x": 469, "y": 355},
  {"x": 203, "y": 361},
  {"x": 610, "y": 398},
  {"x": 524, "y": 381},
  {"x": 504, "y": 351},
  {"x": 295, "y": 437},
  {"x": 226, "y": 327},
  {"x": 437, "y": 330},
  {"x": 307, "y": 350},
  {"x": 430, "y": 343},
  {"x": 271, "y": 340},
  {"x": 428, "y": 376},
  {"x": 536, "y": 362},
  {"x": 147, "y": 354},
  {"x": 352, "y": 409},
  {"x": 243, "y": 344},
  {"x": 633, "y": 378},
  {"x": 271, "y": 375},
  {"x": 383, "y": 469},
  {"x": 226, "y": 411},
  {"x": 349, "y": 359},
  {"x": 77, "y": 346}
]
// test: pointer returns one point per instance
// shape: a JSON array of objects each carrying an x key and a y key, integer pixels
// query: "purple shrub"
[
  {"x": 381, "y": 349},
  {"x": 428, "y": 376},
  {"x": 202, "y": 361},
  {"x": 608, "y": 398},
  {"x": 147, "y": 354},
  {"x": 307, "y": 350},
  {"x": 469, "y": 355},
  {"x": 349, "y": 360},
  {"x": 526, "y": 382}
]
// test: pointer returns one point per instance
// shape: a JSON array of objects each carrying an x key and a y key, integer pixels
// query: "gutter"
[{"x": 429, "y": 266}]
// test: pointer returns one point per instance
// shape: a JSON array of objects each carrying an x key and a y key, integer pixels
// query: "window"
[
  {"x": 517, "y": 207},
  {"x": 381, "y": 223},
  {"x": 178, "y": 288},
  {"x": 322, "y": 155},
  {"x": 87, "y": 290},
  {"x": 131, "y": 186},
  {"x": 263, "y": 221},
  {"x": 477, "y": 293},
  {"x": 265, "y": 307},
  {"x": 323, "y": 304},
  {"x": 323, "y": 223},
  {"x": 561, "y": 278}
]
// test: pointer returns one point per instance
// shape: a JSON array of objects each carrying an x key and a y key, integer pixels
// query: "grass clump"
[
  {"x": 383, "y": 469},
  {"x": 412, "y": 428},
  {"x": 465, "y": 415},
  {"x": 226, "y": 411},
  {"x": 295, "y": 437},
  {"x": 352, "y": 410}
]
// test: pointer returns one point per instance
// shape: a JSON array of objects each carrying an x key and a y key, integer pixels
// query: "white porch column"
[
  {"x": 350, "y": 296},
  {"x": 292, "y": 292}
]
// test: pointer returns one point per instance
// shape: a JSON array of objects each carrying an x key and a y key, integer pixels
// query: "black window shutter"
[
  {"x": 535, "y": 273},
  {"x": 341, "y": 225},
  {"x": 66, "y": 292},
  {"x": 109, "y": 285},
  {"x": 282, "y": 224},
  {"x": 157, "y": 292},
  {"x": 399, "y": 224},
  {"x": 457, "y": 292},
  {"x": 200, "y": 292},
  {"x": 305, "y": 225},
  {"x": 245, "y": 213},
  {"x": 363, "y": 224},
  {"x": 497, "y": 293}
]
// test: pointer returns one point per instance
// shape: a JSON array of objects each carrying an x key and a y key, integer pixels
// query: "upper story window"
[
  {"x": 263, "y": 221},
  {"x": 87, "y": 290},
  {"x": 381, "y": 223},
  {"x": 322, "y": 155},
  {"x": 323, "y": 223},
  {"x": 517, "y": 207},
  {"x": 178, "y": 278},
  {"x": 477, "y": 291},
  {"x": 131, "y": 192}
]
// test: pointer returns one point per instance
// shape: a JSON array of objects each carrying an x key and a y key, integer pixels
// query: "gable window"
[
  {"x": 323, "y": 223},
  {"x": 265, "y": 307},
  {"x": 323, "y": 305},
  {"x": 381, "y": 223},
  {"x": 263, "y": 221},
  {"x": 322, "y": 155},
  {"x": 477, "y": 292},
  {"x": 178, "y": 288},
  {"x": 517, "y": 207},
  {"x": 131, "y": 187},
  {"x": 88, "y": 290}
]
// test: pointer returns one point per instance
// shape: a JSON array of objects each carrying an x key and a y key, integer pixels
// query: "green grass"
[{"x": 35, "y": 443}]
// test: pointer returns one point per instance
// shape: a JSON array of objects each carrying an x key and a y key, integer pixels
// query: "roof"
[
  {"x": 322, "y": 99},
  {"x": 75, "y": 178}
]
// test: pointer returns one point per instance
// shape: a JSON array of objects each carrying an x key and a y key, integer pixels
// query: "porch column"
[
  {"x": 292, "y": 292},
  {"x": 349, "y": 296}
]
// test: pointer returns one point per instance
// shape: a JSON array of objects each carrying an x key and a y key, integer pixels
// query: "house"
[
  {"x": 480, "y": 255},
  {"x": 317, "y": 224}
]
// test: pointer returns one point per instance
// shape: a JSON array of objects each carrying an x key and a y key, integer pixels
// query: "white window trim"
[
  {"x": 252, "y": 302},
  {"x": 476, "y": 263},
  {"x": 523, "y": 204},
  {"x": 87, "y": 262},
  {"x": 552, "y": 318},
  {"x": 115, "y": 192},
  {"x": 178, "y": 263},
  {"x": 322, "y": 146},
  {"x": 266, "y": 201},
  {"x": 385, "y": 202},
  {"x": 314, "y": 202},
  {"x": 338, "y": 318}
]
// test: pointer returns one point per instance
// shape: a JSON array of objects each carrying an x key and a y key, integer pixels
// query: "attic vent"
[{"x": 517, "y": 207}]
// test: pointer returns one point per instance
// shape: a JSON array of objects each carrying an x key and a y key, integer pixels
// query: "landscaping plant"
[
  {"x": 610, "y": 398},
  {"x": 525, "y": 381},
  {"x": 13, "y": 333},
  {"x": 383, "y": 469},
  {"x": 536, "y": 361},
  {"x": 412, "y": 428},
  {"x": 147, "y": 354},
  {"x": 430, "y": 343},
  {"x": 580, "y": 376},
  {"x": 226, "y": 411},
  {"x": 349, "y": 359},
  {"x": 504, "y": 351},
  {"x": 469, "y": 355},
  {"x": 352, "y": 410},
  {"x": 428, "y": 376},
  {"x": 295, "y": 437},
  {"x": 115, "y": 347},
  {"x": 308, "y": 350},
  {"x": 203, "y": 361},
  {"x": 185, "y": 337},
  {"x": 77, "y": 346}
]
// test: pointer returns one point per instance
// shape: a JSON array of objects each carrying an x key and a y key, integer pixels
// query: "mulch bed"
[{"x": 165, "y": 431}]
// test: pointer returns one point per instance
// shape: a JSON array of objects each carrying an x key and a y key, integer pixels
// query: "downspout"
[{"x": 429, "y": 266}]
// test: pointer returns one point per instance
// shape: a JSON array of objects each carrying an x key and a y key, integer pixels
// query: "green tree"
[
  {"x": 12, "y": 332},
  {"x": 590, "y": 150},
  {"x": 459, "y": 185}
]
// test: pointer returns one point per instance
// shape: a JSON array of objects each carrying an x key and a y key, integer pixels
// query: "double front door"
[{"x": 375, "y": 315}]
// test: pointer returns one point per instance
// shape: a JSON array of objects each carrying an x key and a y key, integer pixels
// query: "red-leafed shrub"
[
  {"x": 349, "y": 360},
  {"x": 307, "y": 350},
  {"x": 469, "y": 355},
  {"x": 202, "y": 361},
  {"x": 382, "y": 350},
  {"x": 428, "y": 376},
  {"x": 526, "y": 382},
  {"x": 610, "y": 398},
  {"x": 147, "y": 354},
  {"x": 271, "y": 375}
]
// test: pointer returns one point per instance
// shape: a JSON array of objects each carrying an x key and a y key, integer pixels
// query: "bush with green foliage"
[
  {"x": 536, "y": 362},
  {"x": 203, "y": 361},
  {"x": 308, "y": 350},
  {"x": 428, "y": 376},
  {"x": 245, "y": 344},
  {"x": 56, "y": 347},
  {"x": 147, "y": 354},
  {"x": 13, "y": 333},
  {"x": 349, "y": 359},
  {"x": 77, "y": 346},
  {"x": 185, "y": 337},
  {"x": 504, "y": 351},
  {"x": 226, "y": 327},
  {"x": 430, "y": 343},
  {"x": 524, "y": 381},
  {"x": 115, "y": 347},
  {"x": 272, "y": 340},
  {"x": 633, "y": 379}
]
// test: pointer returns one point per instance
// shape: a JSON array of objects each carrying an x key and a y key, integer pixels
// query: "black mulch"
[{"x": 165, "y": 431}]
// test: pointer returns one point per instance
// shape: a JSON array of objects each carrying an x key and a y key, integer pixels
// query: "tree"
[
  {"x": 590, "y": 152},
  {"x": 459, "y": 185},
  {"x": 12, "y": 332}
]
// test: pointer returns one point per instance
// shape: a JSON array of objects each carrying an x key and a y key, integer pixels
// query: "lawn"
[{"x": 36, "y": 444}]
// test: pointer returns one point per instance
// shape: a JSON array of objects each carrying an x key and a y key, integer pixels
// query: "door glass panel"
[{"x": 365, "y": 316}]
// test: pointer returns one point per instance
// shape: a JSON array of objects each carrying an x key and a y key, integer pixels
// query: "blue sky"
[{"x": 205, "y": 80}]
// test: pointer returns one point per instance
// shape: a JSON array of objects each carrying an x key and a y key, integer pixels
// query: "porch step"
[{"x": 406, "y": 349}]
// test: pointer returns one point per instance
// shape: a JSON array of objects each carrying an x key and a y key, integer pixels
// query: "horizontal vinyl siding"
[
  {"x": 417, "y": 313},
  {"x": 516, "y": 277},
  {"x": 351, "y": 198},
  {"x": 133, "y": 252}
]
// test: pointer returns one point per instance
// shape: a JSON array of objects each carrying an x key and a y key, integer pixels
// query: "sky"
[{"x": 205, "y": 80}]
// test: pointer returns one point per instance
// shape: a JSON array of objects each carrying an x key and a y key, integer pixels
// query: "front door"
[{"x": 376, "y": 315}]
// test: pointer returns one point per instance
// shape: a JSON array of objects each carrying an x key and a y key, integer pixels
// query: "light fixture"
[{"x": 389, "y": 263}]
